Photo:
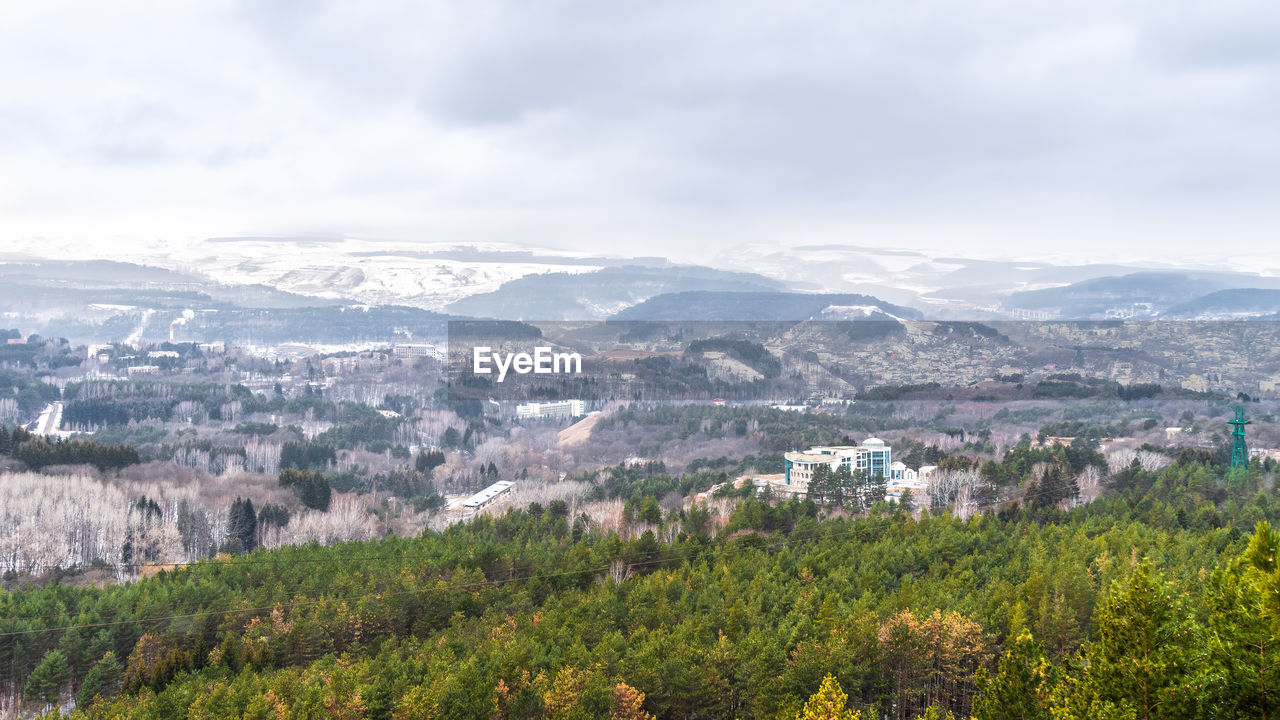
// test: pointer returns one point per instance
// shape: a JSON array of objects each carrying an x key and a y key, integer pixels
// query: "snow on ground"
[
  {"x": 377, "y": 274},
  {"x": 364, "y": 271}
]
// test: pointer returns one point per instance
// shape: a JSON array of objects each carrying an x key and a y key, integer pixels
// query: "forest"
[
  {"x": 241, "y": 536},
  {"x": 1157, "y": 599}
]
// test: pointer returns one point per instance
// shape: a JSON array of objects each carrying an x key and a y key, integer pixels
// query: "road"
[
  {"x": 136, "y": 336},
  {"x": 50, "y": 419}
]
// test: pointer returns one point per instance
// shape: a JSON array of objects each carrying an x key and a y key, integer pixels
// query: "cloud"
[{"x": 683, "y": 128}]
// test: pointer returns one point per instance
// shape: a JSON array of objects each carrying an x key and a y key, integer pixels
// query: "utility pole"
[{"x": 1239, "y": 451}]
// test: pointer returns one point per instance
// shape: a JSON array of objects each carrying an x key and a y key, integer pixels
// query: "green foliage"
[
  {"x": 1019, "y": 690},
  {"x": 311, "y": 487},
  {"x": 103, "y": 679},
  {"x": 242, "y": 527},
  {"x": 541, "y": 614},
  {"x": 46, "y": 682},
  {"x": 255, "y": 428},
  {"x": 636, "y": 482},
  {"x": 40, "y": 452},
  {"x": 307, "y": 455},
  {"x": 273, "y": 515},
  {"x": 857, "y": 491},
  {"x": 30, "y": 393},
  {"x": 358, "y": 424},
  {"x": 828, "y": 703},
  {"x": 777, "y": 430},
  {"x": 428, "y": 461},
  {"x": 895, "y": 392}
]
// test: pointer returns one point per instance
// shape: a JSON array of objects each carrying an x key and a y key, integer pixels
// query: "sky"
[{"x": 1014, "y": 128}]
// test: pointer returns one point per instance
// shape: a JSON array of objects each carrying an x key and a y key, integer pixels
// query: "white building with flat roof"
[
  {"x": 557, "y": 410},
  {"x": 418, "y": 350},
  {"x": 487, "y": 495}
]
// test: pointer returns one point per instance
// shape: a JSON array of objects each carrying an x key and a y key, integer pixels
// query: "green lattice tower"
[{"x": 1239, "y": 451}]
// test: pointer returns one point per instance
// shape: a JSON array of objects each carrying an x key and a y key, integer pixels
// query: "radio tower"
[{"x": 1239, "y": 451}]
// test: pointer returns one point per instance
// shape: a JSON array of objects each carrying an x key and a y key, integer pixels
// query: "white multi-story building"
[
  {"x": 557, "y": 410},
  {"x": 873, "y": 457},
  {"x": 418, "y": 350}
]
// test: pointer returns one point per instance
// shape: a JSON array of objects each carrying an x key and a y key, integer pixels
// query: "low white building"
[
  {"x": 487, "y": 495},
  {"x": 556, "y": 410},
  {"x": 902, "y": 478}
]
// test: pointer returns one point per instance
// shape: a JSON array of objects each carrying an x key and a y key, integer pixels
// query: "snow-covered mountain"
[{"x": 509, "y": 280}]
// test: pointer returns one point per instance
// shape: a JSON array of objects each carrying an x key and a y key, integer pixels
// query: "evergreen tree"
[
  {"x": 908, "y": 501},
  {"x": 312, "y": 488},
  {"x": 843, "y": 488},
  {"x": 828, "y": 703},
  {"x": 650, "y": 512},
  {"x": 1145, "y": 660},
  {"x": 1057, "y": 483},
  {"x": 1244, "y": 612},
  {"x": 627, "y": 704},
  {"x": 242, "y": 527},
  {"x": 45, "y": 683},
  {"x": 102, "y": 679},
  {"x": 428, "y": 461},
  {"x": 451, "y": 438},
  {"x": 820, "y": 491},
  {"x": 1019, "y": 689},
  {"x": 581, "y": 525}
]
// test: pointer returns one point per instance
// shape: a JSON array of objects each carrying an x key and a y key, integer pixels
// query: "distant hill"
[
  {"x": 59, "y": 284},
  {"x": 320, "y": 324},
  {"x": 95, "y": 273},
  {"x": 600, "y": 294},
  {"x": 764, "y": 306},
  {"x": 1236, "y": 302},
  {"x": 1141, "y": 293}
]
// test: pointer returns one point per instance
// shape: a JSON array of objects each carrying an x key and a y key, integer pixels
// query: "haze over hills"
[
  {"x": 1233, "y": 303},
  {"x": 1151, "y": 294},
  {"x": 68, "y": 291},
  {"x": 764, "y": 306},
  {"x": 602, "y": 293}
]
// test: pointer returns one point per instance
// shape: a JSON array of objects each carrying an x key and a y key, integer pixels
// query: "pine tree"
[
  {"x": 908, "y": 501},
  {"x": 312, "y": 488},
  {"x": 428, "y": 461},
  {"x": 45, "y": 683},
  {"x": 1057, "y": 483},
  {"x": 1019, "y": 689},
  {"x": 828, "y": 703},
  {"x": 102, "y": 679},
  {"x": 1244, "y": 602},
  {"x": 1144, "y": 662},
  {"x": 820, "y": 485},
  {"x": 650, "y": 511},
  {"x": 242, "y": 526},
  {"x": 627, "y": 702},
  {"x": 451, "y": 438}
]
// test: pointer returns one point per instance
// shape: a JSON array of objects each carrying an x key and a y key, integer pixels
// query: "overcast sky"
[{"x": 646, "y": 127}]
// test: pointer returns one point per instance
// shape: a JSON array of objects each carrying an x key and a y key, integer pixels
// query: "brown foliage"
[{"x": 933, "y": 660}]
